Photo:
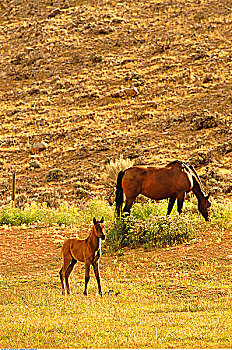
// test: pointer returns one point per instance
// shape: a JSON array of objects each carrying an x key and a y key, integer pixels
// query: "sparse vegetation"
[
  {"x": 149, "y": 212},
  {"x": 62, "y": 108}
]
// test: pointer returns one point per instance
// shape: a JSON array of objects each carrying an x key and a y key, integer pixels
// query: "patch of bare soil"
[
  {"x": 83, "y": 82},
  {"x": 26, "y": 253},
  {"x": 29, "y": 253}
]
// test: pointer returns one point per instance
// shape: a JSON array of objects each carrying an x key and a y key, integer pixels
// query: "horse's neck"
[
  {"x": 93, "y": 240},
  {"x": 198, "y": 189}
]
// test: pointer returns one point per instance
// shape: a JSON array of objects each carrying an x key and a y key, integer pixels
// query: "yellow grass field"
[{"x": 176, "y": 297}]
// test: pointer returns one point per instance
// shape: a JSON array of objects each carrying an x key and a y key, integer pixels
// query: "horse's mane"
[
  {"x": 190, "y": 168},
  {"x": 198, "y": 180}
]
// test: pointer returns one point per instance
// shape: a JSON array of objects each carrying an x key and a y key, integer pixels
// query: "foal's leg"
[
  {"x": 63, "y": 270},
  {"x": 97, "y": 275},
  {"x": 180, "y": 202},
  {"x": 67, "y": 274},
  {"x": 171, "y": 204},
  {"x": 87, "y": 268}
]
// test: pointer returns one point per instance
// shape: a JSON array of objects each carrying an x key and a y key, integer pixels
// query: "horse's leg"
[
  {"x": 97, "y": 275},
  {"x": 171, "y": 204},
  {"x": 67, "y": 274},
  {"x": 87, "y": 268},
  {"x": 128, "y": 205},
  {"x": 63, "y": 270},
  {"x": 180, "y": 202}
]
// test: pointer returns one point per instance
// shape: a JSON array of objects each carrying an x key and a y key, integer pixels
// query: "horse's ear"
[
  {"x": 94, "y": 221},
  {"x": 102, "y": 220},
  {"x": 209, "y": 194}
]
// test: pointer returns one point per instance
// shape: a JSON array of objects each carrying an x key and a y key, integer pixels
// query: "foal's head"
[
  {"x": 204, "y": 207},
  {"x": 98, "y": 228}
]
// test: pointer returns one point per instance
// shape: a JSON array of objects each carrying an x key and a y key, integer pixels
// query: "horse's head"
[
  {"x": 99, "y": 228},
  {"x": 204, "y": 207}
]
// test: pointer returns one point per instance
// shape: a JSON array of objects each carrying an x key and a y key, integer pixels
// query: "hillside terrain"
[{"x": 83, "y": 82}]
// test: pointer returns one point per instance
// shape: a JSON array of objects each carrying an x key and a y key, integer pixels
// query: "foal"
[{"x": 85, "y": 250}]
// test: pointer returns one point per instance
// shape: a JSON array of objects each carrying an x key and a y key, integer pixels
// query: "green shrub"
[
  {"x": 143, "y": 211},
  {"x": 221, "y": 213},
  {"x": 96, "y": 207},
  {"x": 10, "y": 215},
  {"x": 167, "y": 231},
  {"x": 155, "y": 231}
]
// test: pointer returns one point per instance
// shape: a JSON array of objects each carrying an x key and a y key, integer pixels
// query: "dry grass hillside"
[{"x": 91, "y": 80}]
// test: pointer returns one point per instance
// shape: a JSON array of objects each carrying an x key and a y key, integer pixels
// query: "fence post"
[{"x": 13, "y": 186}]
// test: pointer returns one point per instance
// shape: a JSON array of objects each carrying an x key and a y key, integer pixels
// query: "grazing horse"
[
  {"x": 172, "y": 181},
  {"x": 85, "y": 250}
]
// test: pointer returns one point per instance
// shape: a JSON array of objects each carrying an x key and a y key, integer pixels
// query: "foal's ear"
[
  {"x": 102, "y": 220},
  {"x": 94, "y": 221}
]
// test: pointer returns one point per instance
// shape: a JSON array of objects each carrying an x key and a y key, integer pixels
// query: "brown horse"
[
  {"x": 172, "y": 181},
  {"x": 85, "y": 250}
]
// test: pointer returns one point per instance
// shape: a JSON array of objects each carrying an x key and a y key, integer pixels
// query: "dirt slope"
[{"x": 96, "y": 79}]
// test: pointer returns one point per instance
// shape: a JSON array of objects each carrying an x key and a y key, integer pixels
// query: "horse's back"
[
  {"x": 75, "y": 247},
  {"x": 157, "y": 182},
  {"x": 133, "y": 179}
]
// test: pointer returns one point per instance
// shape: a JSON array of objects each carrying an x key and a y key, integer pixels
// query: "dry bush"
[
  {"x": 52, "y": 198},
  {"x": 81, "y": 193},
  {"x": 207, "y": 120},
  {"x": 199, "y": 158},
  {"x": 21, "y": 200},
  {"x": 112, "y": 169},
  {"x": 109, "y": 177},
  {"x": 34, "y": 163},
  {"x": 55, "y": 174}
]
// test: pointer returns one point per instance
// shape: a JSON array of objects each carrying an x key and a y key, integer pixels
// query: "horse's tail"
[{"x": 119, "y": 193}]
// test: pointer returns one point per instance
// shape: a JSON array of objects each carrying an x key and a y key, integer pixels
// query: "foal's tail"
[{"x": 119, "y": 193}]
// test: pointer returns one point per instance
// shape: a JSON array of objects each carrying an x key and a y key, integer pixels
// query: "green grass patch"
[{"x": 66, "y": 214}]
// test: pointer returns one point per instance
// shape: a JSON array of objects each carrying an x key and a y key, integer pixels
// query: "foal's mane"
[{"x": 98, "y": 222}]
